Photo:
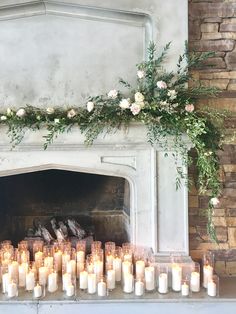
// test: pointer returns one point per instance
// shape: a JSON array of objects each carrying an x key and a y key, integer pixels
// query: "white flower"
[
  {"x": 50, "y": 110},
  {"x": 56, "y": 120},
  {"x": 161, "y": 85},
  {"x": 164, "y": 103},
  {"x": 90, "y": 106},
  {"x": 38, "y": 117},
  {"x": 189, "y": 108},
  {"x": 71, "y": 113},
  {"x": 9, "y": 112},
  {"x": 21, "y": 113},
  {"x": 141, "y": 104},
  {"x": 124, "y": 103},
  {"x": 135, "y": 109},
  {"x": 172, "y": 94},
  {"x": 138, "y": 97},
  {"x": 140, "y": 74},
  {"x": 3, "y": 118},
  {"x": 113, "y": 93},
  {"x": 214, "y": 201}
]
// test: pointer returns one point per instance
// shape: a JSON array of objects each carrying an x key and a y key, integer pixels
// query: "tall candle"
[
  {"x": 80, "y": 257},
  {"x": 71, "y": 267},
  {"x": 6, "y": 279},
  {"x": 13, "y": 270},
  {"x": 195, "y": 282},
  {"x": 58, "y": 261},
  {"x": 207, "y": 274},
  {"x": 38, "y": 291},
  {"x": 83, "y": 280},
  {"x": 128, "y": 283},
  {"x": 117, "y": 263},
  {"x": 102, "y": 289},
  {"x": 128, "y": 257},
  {"x": 211, "y": 288},
  {"x": 185, "y": 289},
  {"x": 43, "y": 275},
  {"x": 139, "y": 288},
  {"x": 48, "y": 262},
  {"x": 52, "y": 282},
  {"x": 65, "y": 259},
  {"x": 139, "y": 268},
  {"x": 23, "y": 268},
  {"x": 109, "y": 260},
  {"x": 92, "y": 283},
  {"x": 111, "y": 279},
  {"x": 66, "y": 281},
  {"x": 150, "y": 278},
  {"x": 38, "y": 257},
  {"x": 163, "y": 283},
  {"x": 126, "y": 267},
  {"x": 98, "y": 268},
  {"x": 176, "y": 277},
  {"x": 30, "y": 281},
  {"x": 80, "y": 268}
]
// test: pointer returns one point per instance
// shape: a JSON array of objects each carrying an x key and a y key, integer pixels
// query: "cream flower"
[
  {"x": 214, "y": 201},
  {"x": 140, "y": 74},
  {"x": 3, "y": 118},
  {"x": 113, "y": 94},
  {"x": 189, "y": 108},
  {"x": 50, "y": 110},
  {"x": 172, "y": 94},
  {"x": 161, "y": 85},
  {"x": 71, "y": 113},
  {"x": 135, "y": 109},
  {"x": 20, "y": 113},
  {"x": 138, "y": 97},
  {"x": 124, "y": 103},
  {"x": 9, "y": 112},
  {"x": 90, "y": 106},
  {"x": 56, "y": 120}
]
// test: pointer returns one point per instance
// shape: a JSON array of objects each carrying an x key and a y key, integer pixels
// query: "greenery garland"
[{"x": 162, "y": 101}]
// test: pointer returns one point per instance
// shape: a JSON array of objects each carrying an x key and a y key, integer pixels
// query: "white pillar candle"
[
  {"x": 30, "y": 281},
  {"x": 83, "y": 280},
  {"x": 195, "y": 281},
  {"x": 70, "y": 290},
  {"x": 128, "y": 257},
  {"x": 163, "y": 283},
  {"x": 150, "y": 278},
  {"x": 185, "y": 289},
  {"x": 52, "y": 282},
  {"x": 13, "y": 269},
  {"x": 211, "y": 288},
  {"x": 12, "y": 290},
  {"x": 71, "y": 267},
  {"x": 24, "y": 257},
  {"x": 66, "y": 281},
  {"x": 90, "y": 268},
  {"x": 117, "y": 267},
  {"x": 139, "y": 288},
  {"x": 58, "y": 261},
  {"x": 176, "y": 277},
  {"x": 80, "y": 257},
  {"x": 128, "y": 284},
  {"x": 92, "y": 283},
  {"x": 102, "y": 289},
  {"x": 80, "y": 268},
  {"x": 109, "y": 260},
  {"x": 98, "y": 269},
  {"x": 126, "y": 267},
  {"x": 65, "y": 259},
  {"x": 139, "y": 269},
  {"x": 23, "y": 268},
  {"x": 111, "y": 279},
  {"x": 38, "y": 257},
  {"x": 38, "y": 291},
  {"x": 43, "y": 275},
  {"x": 207, "y": 274},
  {"x": 6, "y": 279},
  {"x": 48, "y": 262}
]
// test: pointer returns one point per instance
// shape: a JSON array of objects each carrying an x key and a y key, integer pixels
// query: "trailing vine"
[{"x": 161, "y": 100}]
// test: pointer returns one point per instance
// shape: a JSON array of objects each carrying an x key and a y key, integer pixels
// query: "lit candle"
[
  {"x": 38, "y": 257},
  {"x": 48, "y": 262},
  {"x": 195, "y": 281},
  {"x": 139, "y": 288},
  {"x": 176, "y": 277},
  {"x": 207, "y": 274},
  {"x": 43, "y": 275},
  {"x": 211, "y": 288},
  {"x": 139, "y": 268},
  {"x": 71, "y": 267},
  {"x": 92, "y": 283},
  {"x": 128, "y": 257},
  {"x": 66, "y": 281},
  {"x": 150, "y": 278},
  {"x": 80, "y": 257},
  {"x": 128, "y": 284},
  {"x": 185, "y": 289},
  {"x": 23, "y": 268},
  {"x": 6, "y": 279},
  {"x": 52, "y": 282},
  {"x": 117, "y": 267},
  {"x": 98, "y": 269},
  {"x": 30, "y": 281},
  {"x": 109, "y": 260},
  {"x": 37, "y": 291},
  {"x": 102, "y": 289},
  {"x": 80, "y": 268},
  {"x": 163, "y": 283},
  {"x": 111, "y": 279},
  {"x": 65, "y": 259},
  {"x": 83, "y": 280},
  {"x": 13, "y": 270},
  {"x": 12, "y": 290},
  {"x": 58, "y": 260},
  {"x": 126, "y": 267},
  {"x": 70, "y": 290}
]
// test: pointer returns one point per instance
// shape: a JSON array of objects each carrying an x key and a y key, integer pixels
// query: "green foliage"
[{"x": 161, "y": 100}]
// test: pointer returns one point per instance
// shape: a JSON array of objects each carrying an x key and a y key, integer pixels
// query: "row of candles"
[{"x": 134, "y": 268}]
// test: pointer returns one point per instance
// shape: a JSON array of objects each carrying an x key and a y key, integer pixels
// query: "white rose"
[
  {"x": 71, "y": 113},
  {"x": 113, "y": 93},
  {"x": 3, "y": 118},
  {"x": 214, "y": 201},
  {"x": 21, "y": 113},
  {"x": 90, "y": 106},
  {"x": 56, "y": 120},
  {"x": 138, "y": 97},
  {"x": 9, "y": 112},
  {"x": 140, "y": 74},
  {"x": 124, "y": 103},
  {"x": 172, "y": 94},
  {"x": 50, "y": 110},
  {"x": 161, "y": 85},
  {"x": 135, "y": 109}
]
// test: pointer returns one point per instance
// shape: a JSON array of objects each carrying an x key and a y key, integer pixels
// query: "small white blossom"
[
  {"x": 140, "y": 74},
  {"x": 56, "y": 120},
  {"x": 50, "y": 110},
  {"x": 113, "y": 94},
  {"x": 71, "y": 113},
  {"x": 161, "y": 85},
  {"x": 38, "y": 117},
  {"x": 189, "y": 108},
  {"x": 124, "y": 103},
  {"x": 9, "y": 112},
  {"x": 138, "y": 97},
  {"x": 135, "y": 109},
  {"x": 90, "y": 106},
  {"x": 214, "y": 201},
  {"x": 3, "y": 118},
  {"x": 20, "y": 113},
  {"x": 172, "y": 94}
]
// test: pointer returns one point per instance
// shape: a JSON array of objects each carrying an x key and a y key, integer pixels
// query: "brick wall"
[{"x": 212, "y": 27}]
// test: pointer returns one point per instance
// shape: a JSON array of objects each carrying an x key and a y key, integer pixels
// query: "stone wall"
[{"x": 212, "y": 27}]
